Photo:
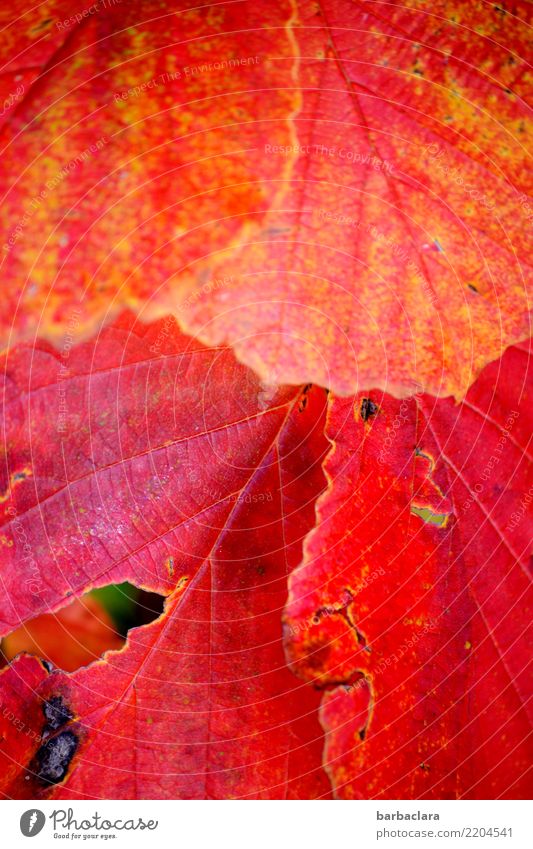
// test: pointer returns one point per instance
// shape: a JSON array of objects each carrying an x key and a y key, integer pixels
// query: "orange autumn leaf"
[
  {"x": 74, "y": 636},
  {"x": 309, "y": 437},
  {"x": 337, "y": 190}
]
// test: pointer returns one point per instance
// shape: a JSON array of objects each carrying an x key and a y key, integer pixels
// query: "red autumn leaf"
[
  {"x": 146, "y": 457},
  {"x": 338, "y": 190},
  {"x": 413, "y": 602},
  {"x": 74, "y": 636}
]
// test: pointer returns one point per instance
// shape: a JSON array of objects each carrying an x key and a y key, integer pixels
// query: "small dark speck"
[
  {"x": 47, "y": 665},
  {"x": 56, "y": 713},
  {"x": 54, "y": 757},
  {"x": 303, "y": 398},
  {"x": 473, "y": 288},
  {"x": 368, "y": 409},
  {"x": 424, "y": 767},
  {"x": 362, "y": 733}
]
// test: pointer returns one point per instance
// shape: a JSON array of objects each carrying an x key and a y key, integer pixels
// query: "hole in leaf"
[{"x": 81, "y": 632}]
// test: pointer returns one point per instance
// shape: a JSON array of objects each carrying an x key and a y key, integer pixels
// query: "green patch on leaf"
[{"x": 428, "y": 515}]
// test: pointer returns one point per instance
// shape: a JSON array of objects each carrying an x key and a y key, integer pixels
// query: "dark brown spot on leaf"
[
  {"x": 56, "y": 714},
  {"x": 368, "y": 409},
  {"x": 54, "y": 757},
  {"x": 302, "y": 404}
]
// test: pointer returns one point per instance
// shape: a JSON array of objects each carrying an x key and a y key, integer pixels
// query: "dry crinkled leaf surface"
[{"x": 338, "y": 190}]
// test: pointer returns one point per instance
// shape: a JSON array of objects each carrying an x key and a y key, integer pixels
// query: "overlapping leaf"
[
  {"x": 74, "y": 636},
  {"x": 336, "y": 189},
  {"x": 144, "y": 456},
  {"x": 413, "y": 604}
]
